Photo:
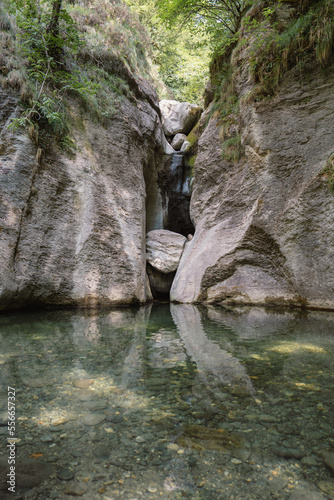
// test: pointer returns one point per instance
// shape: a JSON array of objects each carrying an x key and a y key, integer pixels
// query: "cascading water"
[{"x": 176, "y": 188}]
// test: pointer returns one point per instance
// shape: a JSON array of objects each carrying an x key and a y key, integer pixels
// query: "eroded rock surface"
[
  {"x": 73, "y": 230},
  {"x": 264, "y": 227}
]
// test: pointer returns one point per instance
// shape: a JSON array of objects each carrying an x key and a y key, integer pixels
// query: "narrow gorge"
[
  {"x": 167, "y": 249},
  {"x": 73, "y": 230},
  {"x": 247, "y": 188}
]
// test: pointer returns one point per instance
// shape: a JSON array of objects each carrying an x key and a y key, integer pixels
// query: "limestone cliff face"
[
  {"x": 265, "y": 226},
  {"x": 72, "y": 231}
]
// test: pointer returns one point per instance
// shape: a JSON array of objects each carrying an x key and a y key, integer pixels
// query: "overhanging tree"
[{"x": 217, "y": 15}]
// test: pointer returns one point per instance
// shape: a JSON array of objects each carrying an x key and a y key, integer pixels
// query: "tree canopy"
[{"x": 225, "y": 15}]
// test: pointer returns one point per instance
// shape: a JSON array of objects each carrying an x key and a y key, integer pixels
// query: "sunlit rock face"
[
  {"x": 264, "y": 226},
  {"x": 73, "y": 229}
]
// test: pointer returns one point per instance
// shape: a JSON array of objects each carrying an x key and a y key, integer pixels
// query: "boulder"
[
  {"x": 178, "y": 141},
  {"x": 185, "y": 147},
  {"x": 178, "y": 117},
  {"x": 164, "y": 249}
]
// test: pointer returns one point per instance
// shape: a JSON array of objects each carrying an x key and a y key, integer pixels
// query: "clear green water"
[{"x": 170, "y": 401}]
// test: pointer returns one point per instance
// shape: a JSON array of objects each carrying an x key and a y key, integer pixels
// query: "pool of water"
[{"x": 169, "y": 401}]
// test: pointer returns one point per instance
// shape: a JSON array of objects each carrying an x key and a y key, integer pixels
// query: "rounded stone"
[
  {"x": 93, "y": 419},
  {"x": 76, "y": 488},
  {"x": 65, "y": 475}
]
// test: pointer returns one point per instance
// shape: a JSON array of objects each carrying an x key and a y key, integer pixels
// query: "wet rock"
[
  {"x": 327, "y": 487},
  {"x": 83, "y": 383},
  {"x": 242, "y": 453},
  {"x": 328, "y": 457},
  {"x": 46, "y": 439},
  {"x": 95, "y": 405},
  {"x": 303, "y": 494},
  {"x": 65, "y": 475},
  {"x": 76, "y": 488},
  {"x": 59, "y": 421},
  {"x": 3, "y": 419},
  {"x": 38, "y": 382},
  {"x": 277, "y": 484},
  {"x": 310, "y": 461},
  {"x": 102, "y": 452},
  {"x": 152, "y": 489},
  {"x": 155, "y": 382},
  {"x": 29, "y": 473},
  {"x": 164, "y": 249},
  {"x": 178, "y": 141},
  {"x": 201, "y": 438},
  {"x": 281, "y": 451},
  {"x": 113, "y": 417},
  {"x": 93, "y": 419}
]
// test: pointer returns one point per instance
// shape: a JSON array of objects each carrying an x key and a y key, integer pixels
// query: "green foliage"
[
  {"x": 214, "y": 15},
  {"x": 309, "y": 35},
  {"x": 180, "y": 55},
  {"x": 232, "y": 149},
  {"x": 219, "y": 20},
  {"x": 329, "y": 172},
  {"x": 44, "y": 53},
  {"x": 80, "y": 56}
]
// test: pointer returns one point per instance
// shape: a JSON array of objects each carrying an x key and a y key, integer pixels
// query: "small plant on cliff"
[
  {"x": 64, "y": 52},
  {"x": 329, "y": 171},
  {"x": 46, "y": 34},
  {"x": 277, "y": 46}
]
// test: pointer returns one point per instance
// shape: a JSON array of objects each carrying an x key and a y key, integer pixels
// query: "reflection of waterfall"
[
  {"x": 208, "y": 356},
  {"x": 133, "y": 368}
]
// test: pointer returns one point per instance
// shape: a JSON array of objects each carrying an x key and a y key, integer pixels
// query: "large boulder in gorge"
[
  {"x": 264, "y": 226},
  {"x": 164, "y": 249},
  {"x": 178, "y": 117}
]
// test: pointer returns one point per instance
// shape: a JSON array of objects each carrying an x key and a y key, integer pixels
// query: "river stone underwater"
[{"x": 170, "y": 401}]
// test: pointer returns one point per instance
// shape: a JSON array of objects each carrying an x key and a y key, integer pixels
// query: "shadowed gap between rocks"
[{"x": 168, "y": 180}]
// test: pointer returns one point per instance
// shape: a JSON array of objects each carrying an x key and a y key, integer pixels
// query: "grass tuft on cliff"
[
  {"x": 89, "y": 55},
  {"x": 283, "y": 36}
]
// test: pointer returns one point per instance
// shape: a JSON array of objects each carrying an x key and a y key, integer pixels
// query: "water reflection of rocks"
[
  {"x": 170, "y": 401},
  {"x": 216, "y": 367}
]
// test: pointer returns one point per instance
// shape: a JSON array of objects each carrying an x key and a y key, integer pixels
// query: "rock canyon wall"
[
  {"x": 73, "y": 230},
  {"x": 264, "y": 226}
]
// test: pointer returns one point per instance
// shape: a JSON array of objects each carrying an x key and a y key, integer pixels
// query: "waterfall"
[{"x": 177, "y": 190}]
